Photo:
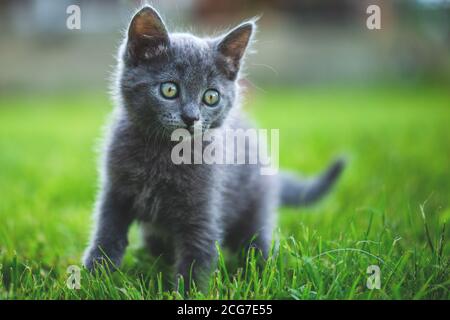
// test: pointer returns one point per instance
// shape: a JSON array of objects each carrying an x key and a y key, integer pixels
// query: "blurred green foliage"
[{"x": 397, "y": 141}]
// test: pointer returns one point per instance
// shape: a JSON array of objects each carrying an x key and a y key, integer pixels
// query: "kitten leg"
[
  {"x": 253, "y": 230},
  {"x": 260, "y": 240},
  {"x": 258, "y": 237},
  {"x": 158, "y": 244},
  {"x": 195, "y": 248},
  {"x": 110, "y": 238},
  {"x": 263, "y": 218}
]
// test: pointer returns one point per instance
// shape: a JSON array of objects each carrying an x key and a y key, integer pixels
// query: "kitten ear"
[
  {"x": 147, "y": 34},
  {"x": 232, "y": 47}
]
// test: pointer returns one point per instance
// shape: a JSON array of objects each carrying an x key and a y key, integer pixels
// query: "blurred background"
[
  {"x": 331, "y": 86},
  {"x": 300, "y": 42}
]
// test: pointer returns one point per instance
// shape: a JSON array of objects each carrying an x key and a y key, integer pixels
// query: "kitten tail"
[{"x": 295, "y": 192}]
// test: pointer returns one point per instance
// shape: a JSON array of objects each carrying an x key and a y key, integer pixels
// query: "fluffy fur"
[{"x": 183, "y": 209}]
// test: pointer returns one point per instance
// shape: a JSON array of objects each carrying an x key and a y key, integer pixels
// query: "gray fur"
[
  {"x": 183, "y": 209},
  {"x": 295, "y": 192}
]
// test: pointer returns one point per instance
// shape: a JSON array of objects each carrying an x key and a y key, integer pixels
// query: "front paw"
[{"x": 95, "y": 258}]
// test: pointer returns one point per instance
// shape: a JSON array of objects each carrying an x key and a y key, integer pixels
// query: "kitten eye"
[
  {"x": 169, "y": 90},
  {"x": 211, "y": 97}
]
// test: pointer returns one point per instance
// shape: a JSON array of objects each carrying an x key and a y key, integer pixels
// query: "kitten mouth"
[
  {"x": 193, "y": 130},
  {"x": 172, "y": 127}
]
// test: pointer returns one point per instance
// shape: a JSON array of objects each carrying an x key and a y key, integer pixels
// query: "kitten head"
[{"x": 169, "y": 81}]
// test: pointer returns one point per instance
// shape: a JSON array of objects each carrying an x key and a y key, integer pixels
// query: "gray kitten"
[{"x": 168, "y": 81}]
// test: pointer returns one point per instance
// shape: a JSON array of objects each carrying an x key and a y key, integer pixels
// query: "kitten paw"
[{"x": 96, "y": 259}]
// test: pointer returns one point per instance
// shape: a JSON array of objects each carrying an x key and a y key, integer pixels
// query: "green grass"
[{"x": 397, "y": 141}]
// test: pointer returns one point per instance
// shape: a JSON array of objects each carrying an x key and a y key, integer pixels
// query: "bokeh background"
[
  {"x": 332, "y": 86},
  {"x": 300, "y": 43}
]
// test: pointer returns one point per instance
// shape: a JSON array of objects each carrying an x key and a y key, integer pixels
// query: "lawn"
[{"x": 389, "y": 209}]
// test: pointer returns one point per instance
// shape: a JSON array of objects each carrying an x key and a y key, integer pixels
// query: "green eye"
[
  {"x": 169, "y": 90},
  {"x": 211, "y": 97}
]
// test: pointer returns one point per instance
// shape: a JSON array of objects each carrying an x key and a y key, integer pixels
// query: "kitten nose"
[{"x": 189, "y": 119}]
